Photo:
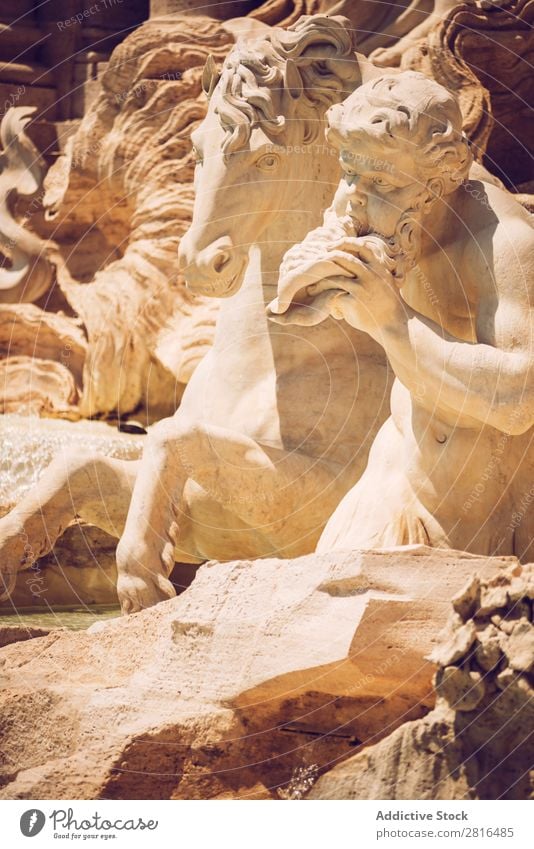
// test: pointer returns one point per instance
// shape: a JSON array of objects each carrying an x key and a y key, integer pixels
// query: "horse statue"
[{"x": 276, "y": 423}]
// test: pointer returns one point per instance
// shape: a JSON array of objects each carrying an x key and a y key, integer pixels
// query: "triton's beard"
[
  {"x": 403, "y": 247},
  {"x": 359, "y": 225},
  {"x": 310, "y": 273}
]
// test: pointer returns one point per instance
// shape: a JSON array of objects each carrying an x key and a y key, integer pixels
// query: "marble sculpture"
[{"x": 416, "y": 287}]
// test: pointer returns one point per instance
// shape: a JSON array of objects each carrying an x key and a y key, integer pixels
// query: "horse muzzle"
[{"x": 216, "y": 270}]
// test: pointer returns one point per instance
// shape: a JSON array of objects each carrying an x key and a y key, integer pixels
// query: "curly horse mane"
[{"x": 313, "y": 61}]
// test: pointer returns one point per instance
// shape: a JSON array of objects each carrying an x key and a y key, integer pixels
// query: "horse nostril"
[{"x": 220, "y": 261}]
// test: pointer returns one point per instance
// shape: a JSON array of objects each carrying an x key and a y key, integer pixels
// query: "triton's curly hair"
[
  {"x": 313, "y": 61},
  {"x": 408, "y": 110}
]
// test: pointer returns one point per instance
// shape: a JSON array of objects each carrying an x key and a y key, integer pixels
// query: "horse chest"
[{"x": 238, "y": 395}]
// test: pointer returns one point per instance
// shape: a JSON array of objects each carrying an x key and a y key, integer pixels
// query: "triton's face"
[{"x": 377, "y": 188}]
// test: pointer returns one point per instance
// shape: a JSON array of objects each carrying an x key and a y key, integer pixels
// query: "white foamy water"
[{"x": 29, "y": 443}]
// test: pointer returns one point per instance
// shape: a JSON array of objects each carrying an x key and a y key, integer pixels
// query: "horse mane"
[{"x": 313, "y": 61}]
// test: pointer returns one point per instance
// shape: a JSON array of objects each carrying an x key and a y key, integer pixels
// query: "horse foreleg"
[
  {"x": 92, "y": 487},
  {"x": 145, "y": 553},
  {"x": 286, "y": 496}
]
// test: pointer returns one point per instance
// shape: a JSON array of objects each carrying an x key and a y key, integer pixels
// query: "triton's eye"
[
  {"x": 268, "y": 162},
  {"x": 382, "y": 183},
  {"x": 197, "y": 155}
]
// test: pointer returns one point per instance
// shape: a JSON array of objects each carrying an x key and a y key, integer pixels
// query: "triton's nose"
[{"x": 356, "y": 202}]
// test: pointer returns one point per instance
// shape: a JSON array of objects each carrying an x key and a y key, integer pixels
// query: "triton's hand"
[
  {"x": 315, "y": 311},
  {"x": 369, "y": 300},
  {"x": 295, "y": 285}
]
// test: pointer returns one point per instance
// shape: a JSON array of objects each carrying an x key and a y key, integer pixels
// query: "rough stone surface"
[
  {"x": 19, "y": 633},
  {"x": 478, "y": 742},
  {"x": 259, "y": 673}
]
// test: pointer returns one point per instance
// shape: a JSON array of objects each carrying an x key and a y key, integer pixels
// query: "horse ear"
[
  {"x": 210, "y": 76},
  {"x": 293, "y": 80}
]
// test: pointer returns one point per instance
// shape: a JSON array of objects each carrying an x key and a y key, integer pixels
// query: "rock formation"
[
  {"x": 256, "y": 672},
  {"x": 478, "y": 742}
]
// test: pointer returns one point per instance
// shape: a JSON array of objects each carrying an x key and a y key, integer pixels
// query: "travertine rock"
[
  {"x": 37, "y": 387},
  {"x": 43, "y": 358},
  {"x": 477, "y": 743},
  {"x": 462, "y": 689},
  {"x": 452, "y": 650},
  {"x": 256, "y": 672},
  {"x": 26, "y": 330},
  {"x": 20, "y": 633}
]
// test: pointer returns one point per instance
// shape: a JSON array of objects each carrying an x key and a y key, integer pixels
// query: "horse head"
[{"x": 267, "y": 103}]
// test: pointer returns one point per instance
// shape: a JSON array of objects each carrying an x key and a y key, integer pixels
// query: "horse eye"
[{"x": 267, "y": 162}]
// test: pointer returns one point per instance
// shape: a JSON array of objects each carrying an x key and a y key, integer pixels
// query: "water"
[
  {"x": 75, "y": 619},
  {"x": 28, "y": 445}
]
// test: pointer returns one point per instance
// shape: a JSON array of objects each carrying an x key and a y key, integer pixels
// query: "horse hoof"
[{"x": 136, "y": 593}]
